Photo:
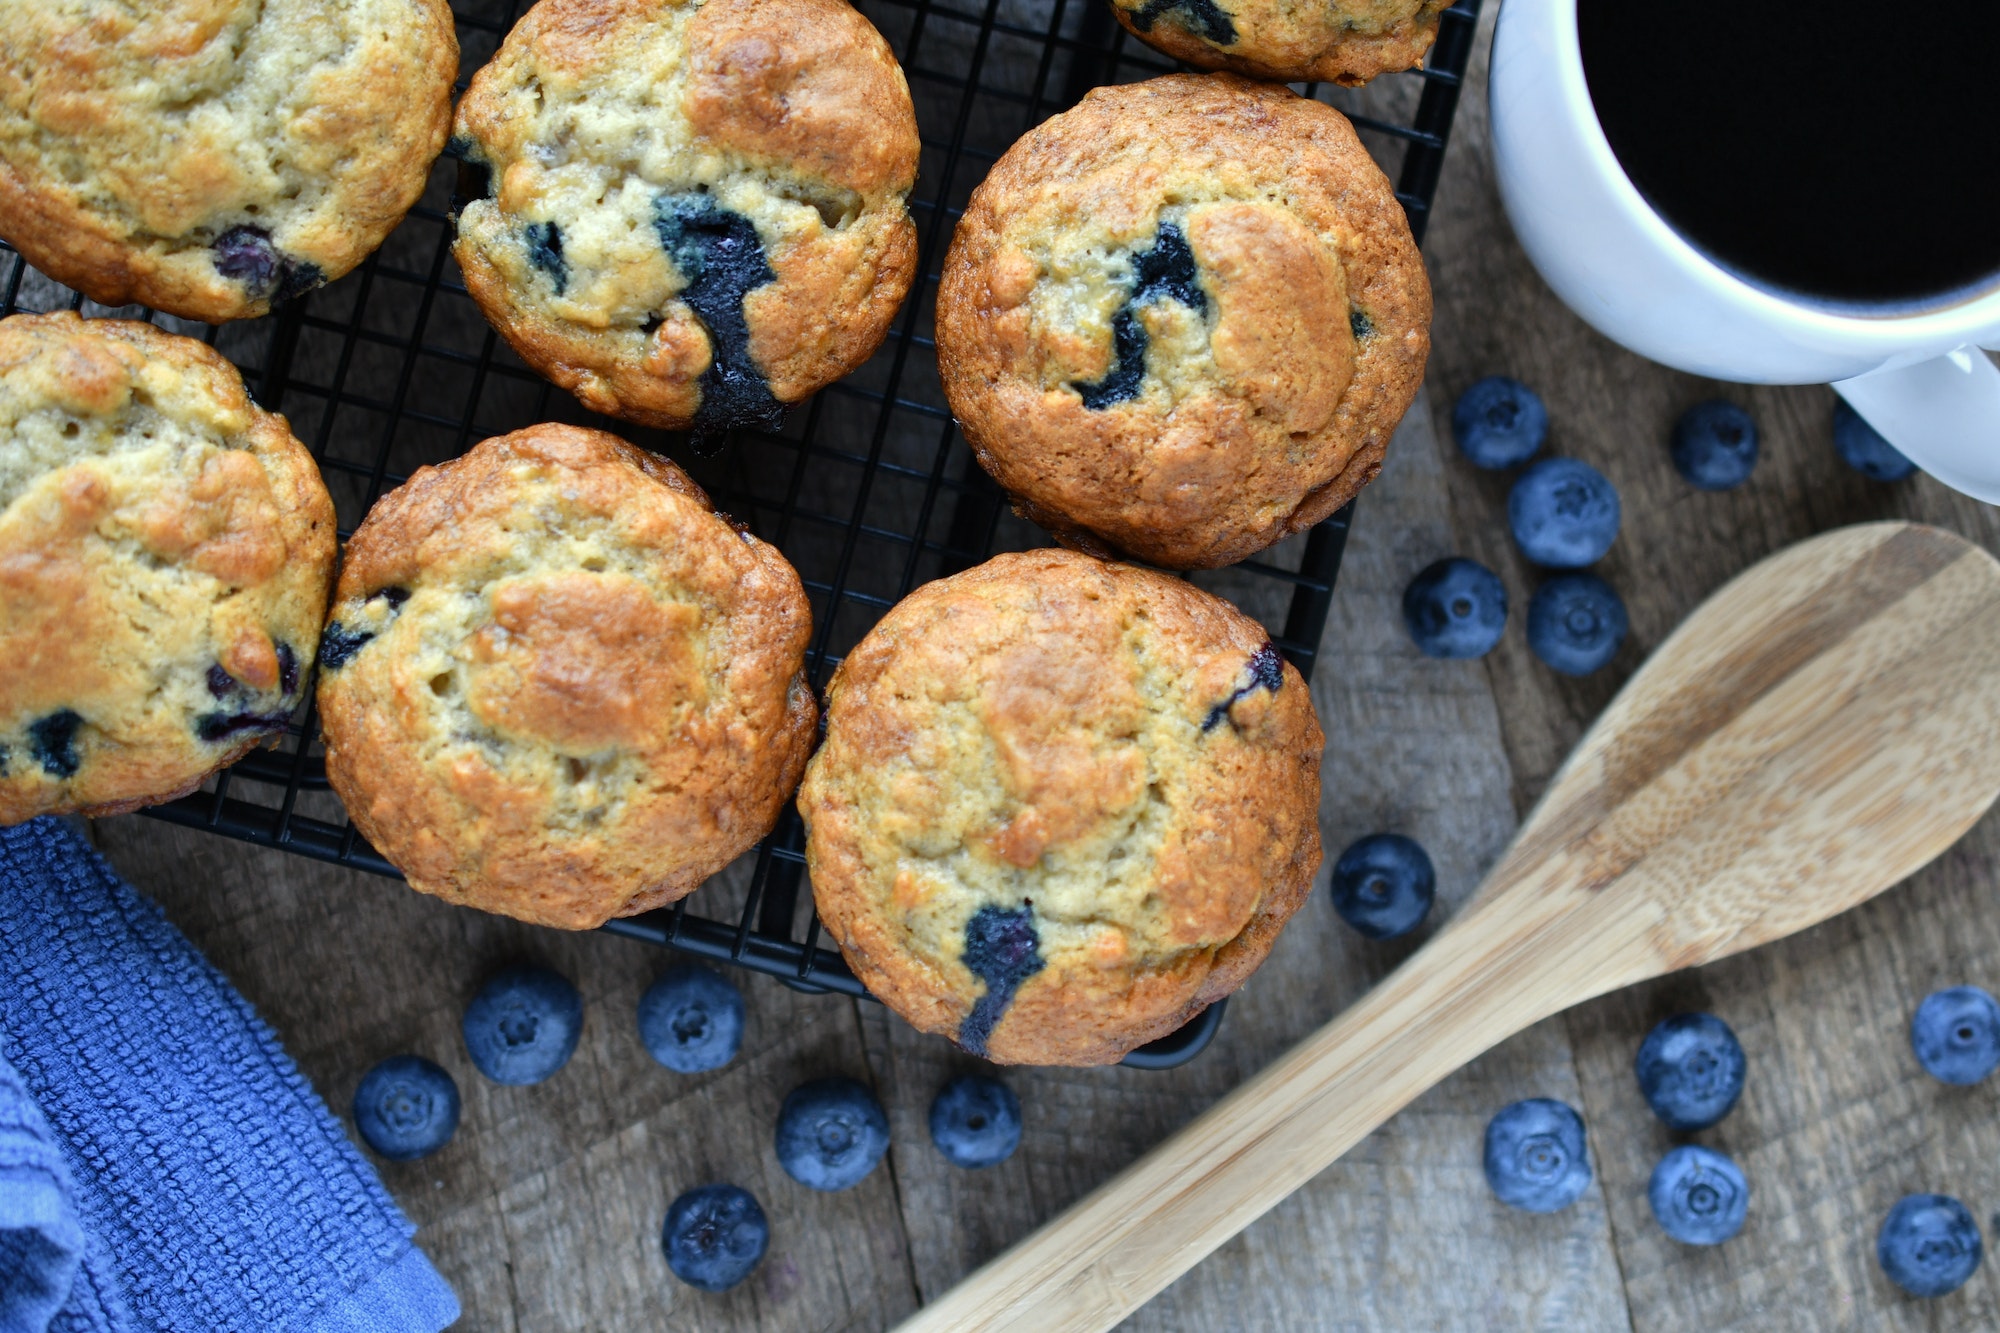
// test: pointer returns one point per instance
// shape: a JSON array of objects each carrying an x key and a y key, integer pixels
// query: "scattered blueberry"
[
  {"x": 217, "y": 727},
  {"x": 523, "y": 1025},
  {"x": 1929, "y": 1244},
  {"x": 1576, "y": 623},
  {"x": 1383, "y": 885},
  {"x": 976, "y": 1121},
  {"x": 1862, "y": 447},
  {"x": 406, "y": 1108},
  {"x": 1535, "y": 1156},
  {"x": 691, "y": 1019},
  {"x": 220, "y": 683},
  {"x": 1690, "y": 1070},
  {"x": 831, "y": 1132},
  {"x": 1164, "y": 271},
  {"x": 1455, "y": 608},
  {"x": 1359, "y": 324},
  {"x": 1499, "y": 422},
  {"x": 714, "y": 1236},
  {"x": 1956, "y": 1034},
  {"x": 1564, "y": 513},
  {"x": 1715, "y": 446},
  {"x": 1698, "y": 1195}
]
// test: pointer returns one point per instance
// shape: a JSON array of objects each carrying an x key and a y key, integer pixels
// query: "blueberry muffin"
[
  {"x": 213, "y": 157},
  {"x": 557, "y": 685},
  {"x": 1063, "y": 805},
  {"x": 1182, "y": 320},
  {"x": 165, "y": 553},
  {"x": 1336, "y": 41},
  {"x": 694, "y": 209}
]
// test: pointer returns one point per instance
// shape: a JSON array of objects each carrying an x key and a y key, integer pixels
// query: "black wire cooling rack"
[{"x": 867, "y": 488}]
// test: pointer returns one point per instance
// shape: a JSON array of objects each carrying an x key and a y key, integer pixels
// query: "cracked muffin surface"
[
  {"x": 1347, "y": 42},
  {"x": 557, "y": 685},
  {"x": 1182, "y": 320},
  {"x": 694, "y": 210},
  {"x": 1062, "y": 806},
  {"x": 212, "y": 157},
  {"x": 166, "y": 548}
]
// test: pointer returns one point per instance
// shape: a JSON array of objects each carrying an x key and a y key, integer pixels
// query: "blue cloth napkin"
[{"x": 163, "y": 1165}]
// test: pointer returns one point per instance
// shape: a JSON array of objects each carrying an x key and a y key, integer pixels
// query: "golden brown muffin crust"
[
  {"x": 596, "y": 114},
  {"x": 166, "y": 548},
  {"x": 1347, "y": 42},
  {"x": 133, "y": 137},
  {"x": 557, "y": 685},
  {"x": 1269, "y": 391},
  {"x": 1106, "y": 765}
]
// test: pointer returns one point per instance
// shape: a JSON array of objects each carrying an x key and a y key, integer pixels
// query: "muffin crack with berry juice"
[
  {"x": 693, "y": 212},
  {"x": 1027, "y": 828}
]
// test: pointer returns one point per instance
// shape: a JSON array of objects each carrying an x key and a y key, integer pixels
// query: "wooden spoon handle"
[{"x": 1467, "y": 990}]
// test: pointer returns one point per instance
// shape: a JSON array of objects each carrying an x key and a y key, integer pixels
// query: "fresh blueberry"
[
  {"x": 1715, "y": 446},
  {"x": 1564, "y": 513},
  {"x": 1535, "y": 1156},
  {"x": 406, "y": 1108},
  {"x": 1383, "y": 885},
  {"x": 715, "y": 1236},
  {"x": 1455, "y": 608},
  {"x": 1690, "y": 1070},
  {"x": 831, "y": 1132},
  {"x": 1929, "y": 1244},
  {"x": 523, "y": 1025},
  {"x": 1499, "y": 422},
  {"x": 976, "y": 1121},
  {"x": 691, "y": 1019},
  {"x": 1576, "y": 623},
  {"x": 1862, "y": 447},
  {"x": 1698, "y": 1195},
  {"x": 1956, "y": 1034}
]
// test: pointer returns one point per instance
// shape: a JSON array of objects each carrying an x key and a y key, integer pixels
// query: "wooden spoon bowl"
[{"x": 1816, "y": 731}]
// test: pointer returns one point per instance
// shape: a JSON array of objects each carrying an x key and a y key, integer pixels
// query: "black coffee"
[{"x": 1843, "y": 150}]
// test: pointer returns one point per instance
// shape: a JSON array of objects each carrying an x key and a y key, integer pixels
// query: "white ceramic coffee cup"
[{"x": 1916, "y": 375}]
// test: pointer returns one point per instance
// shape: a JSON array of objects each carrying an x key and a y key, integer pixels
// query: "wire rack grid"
[{"x": 867, "y": 488}]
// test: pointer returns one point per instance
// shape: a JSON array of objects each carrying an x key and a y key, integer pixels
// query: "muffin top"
[
  {"x": 1062, "y": 806},
  {"x": 1183, "y": 319},
  {"x": 557, "y": 685},
  {"x": 210, "y": 157},
  {"x": 165, "y": 553},
  {"x": 695, "y": 210},
  {"x": 1338, "y": 41}
]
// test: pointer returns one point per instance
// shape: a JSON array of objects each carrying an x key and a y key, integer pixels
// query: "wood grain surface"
[{"x": 545, "y": 1212}]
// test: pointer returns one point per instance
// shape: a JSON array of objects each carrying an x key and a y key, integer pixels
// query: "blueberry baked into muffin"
[
  {"x": 557, "y": 685},
  {"x": 693, "y": 210},
  {"x": 1062, "y": 806},
  {"x": 1336, "y": 41},
  {"x": 213, "y": 157},
  {"x": 1182, "y": 320},
  {"x": 165, "y": 553}
]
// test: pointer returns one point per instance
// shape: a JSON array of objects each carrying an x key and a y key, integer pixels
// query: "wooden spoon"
[{"x": 1816, "y": 731}]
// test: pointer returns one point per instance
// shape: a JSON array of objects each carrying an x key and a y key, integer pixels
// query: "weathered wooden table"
[{"x": 545, "y": 1212}]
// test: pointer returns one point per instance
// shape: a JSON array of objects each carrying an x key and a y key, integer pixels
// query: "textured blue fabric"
[{"x": 213, "y": 1190}]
